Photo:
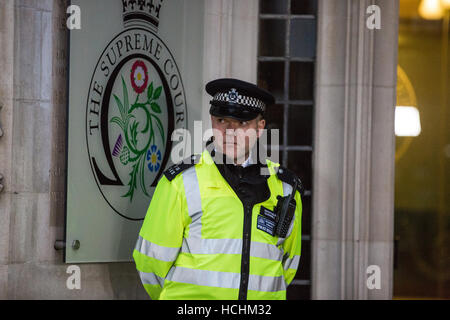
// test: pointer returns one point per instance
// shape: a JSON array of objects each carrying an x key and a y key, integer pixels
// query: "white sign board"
[{"x": 135, "y": 76}]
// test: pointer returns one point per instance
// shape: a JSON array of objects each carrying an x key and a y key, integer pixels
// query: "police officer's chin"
[{"x": 234, "y": 154}]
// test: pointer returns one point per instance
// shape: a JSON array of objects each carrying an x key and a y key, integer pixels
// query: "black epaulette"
[
  {"x": 289, "y": 177},
  {"x": 176, "y": 169}
]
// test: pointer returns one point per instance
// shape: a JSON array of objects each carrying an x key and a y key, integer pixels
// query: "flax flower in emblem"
[{"x": 154, "y": 158}]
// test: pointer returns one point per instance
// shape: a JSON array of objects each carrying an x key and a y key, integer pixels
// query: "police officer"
[{"x": 219, "y": 226}]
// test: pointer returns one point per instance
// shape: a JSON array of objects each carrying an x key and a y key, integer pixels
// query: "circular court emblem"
[{"x": 136, "y": 100}]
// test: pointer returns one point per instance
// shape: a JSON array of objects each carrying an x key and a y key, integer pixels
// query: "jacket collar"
[{"x": 216, "y": 179}]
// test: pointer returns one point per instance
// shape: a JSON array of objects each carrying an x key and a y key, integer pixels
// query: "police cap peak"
[{"x": 237, "y": 99}]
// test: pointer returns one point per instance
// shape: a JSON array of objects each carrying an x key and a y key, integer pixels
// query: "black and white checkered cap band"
[{"x": 234, "y": 97}]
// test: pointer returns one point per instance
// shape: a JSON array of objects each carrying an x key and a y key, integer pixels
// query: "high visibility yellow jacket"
[{"x": 191, "y": 242}]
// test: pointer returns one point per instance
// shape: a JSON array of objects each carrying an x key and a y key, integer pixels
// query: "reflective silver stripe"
[
  {"x": 263, "y": 283},
  {"x": 155, "y": 251},
  {"x": 151, "y": 278},
  {"x": 291, "y": 263},
  {"x": 266, "y": 251},
  {"x": 231, "y": 246},
  {"x": 291, "y": 227},
  {"x": 224, "y": 279},
  {"x": 287, "y": 189},
  {"x": 212, "y": 246},
  {"x": 194, "y": 201},
  {"x": 205, "y": 277}
]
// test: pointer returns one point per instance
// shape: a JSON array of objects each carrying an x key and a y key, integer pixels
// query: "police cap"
[{"x": 237, "y": 99}]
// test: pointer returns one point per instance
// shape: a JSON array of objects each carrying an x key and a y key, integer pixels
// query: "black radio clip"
[{"x": 285, "y": 211}]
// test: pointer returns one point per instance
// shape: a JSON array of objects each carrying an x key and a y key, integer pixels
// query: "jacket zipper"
[{"x": 245, "y": 262}]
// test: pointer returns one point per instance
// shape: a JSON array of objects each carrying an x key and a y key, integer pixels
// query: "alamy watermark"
[
  {"x": 73, "y": 282},
  {"x": 261, "y": 144},
  {"x": 373, "y": 21},
  {"x": 374, "y": 278},
  {"x": 74, "y": 20}
]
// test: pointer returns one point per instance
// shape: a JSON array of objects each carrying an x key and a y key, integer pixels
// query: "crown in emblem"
[{"x": 141, "y": 13}]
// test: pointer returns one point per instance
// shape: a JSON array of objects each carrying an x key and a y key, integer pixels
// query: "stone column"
[
  {"x": 354, "y": 147},
  {"x": 6, "y": 103},
  {"x": 231, "y": 42}
]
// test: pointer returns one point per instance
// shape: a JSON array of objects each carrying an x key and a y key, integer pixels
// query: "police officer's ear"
[{"x": 261, "y": 124}]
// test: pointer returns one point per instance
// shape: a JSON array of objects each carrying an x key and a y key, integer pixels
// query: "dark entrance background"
[{"x": 286, "y": 61}]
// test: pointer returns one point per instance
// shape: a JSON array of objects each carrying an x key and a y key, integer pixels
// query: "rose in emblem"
[{"x": 139, "y": 76}]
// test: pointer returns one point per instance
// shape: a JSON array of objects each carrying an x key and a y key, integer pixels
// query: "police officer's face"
[{"x": 236, "y": 138}]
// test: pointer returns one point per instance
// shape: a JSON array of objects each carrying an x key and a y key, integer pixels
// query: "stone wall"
[{"x": 33, "y": 64}]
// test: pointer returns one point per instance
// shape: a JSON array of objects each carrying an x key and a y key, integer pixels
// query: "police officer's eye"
[{"x": 244, "y": 123}]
